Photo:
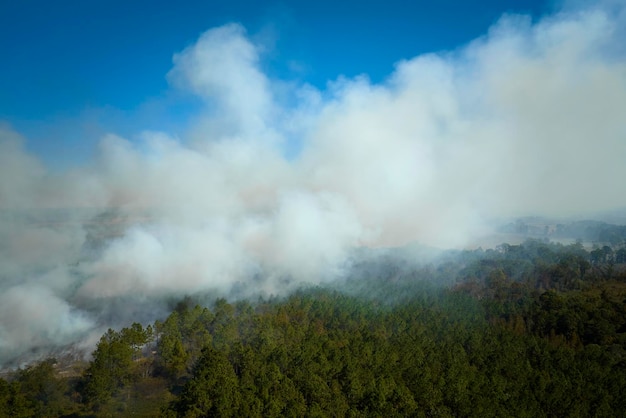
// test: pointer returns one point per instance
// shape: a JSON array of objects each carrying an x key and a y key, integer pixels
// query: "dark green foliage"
[
  {"x": 36, "y": 391},
  {"x": 172, "y": 354},
  {"x": 13, "y": 402},
  {"x": 212, "y": 391},
  {"x": 531, "y": 330},
  {"x": 44, "y": 392},
  {"x": 115, "y": 363},
  {"x": 325, "y": 354}
]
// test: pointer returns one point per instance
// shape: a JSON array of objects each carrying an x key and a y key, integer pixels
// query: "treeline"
[
  {"x": 600, "y": 233},
  {"x": 532, "y": 330}
]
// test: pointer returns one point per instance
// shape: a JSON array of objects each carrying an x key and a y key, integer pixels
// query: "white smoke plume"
[{"x": 528, "y": 119}]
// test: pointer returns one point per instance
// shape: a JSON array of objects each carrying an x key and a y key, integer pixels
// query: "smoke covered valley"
[{"x": 276, "y": 184}]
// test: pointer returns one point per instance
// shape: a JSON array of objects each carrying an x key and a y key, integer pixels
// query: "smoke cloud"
[{"x": 277, "y": 182}]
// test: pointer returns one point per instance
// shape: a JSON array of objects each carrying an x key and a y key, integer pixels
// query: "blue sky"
[{"x": 74, "y": 70}]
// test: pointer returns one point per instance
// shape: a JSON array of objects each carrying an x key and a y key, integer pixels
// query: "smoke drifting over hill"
[{"x": 528, "y": 119}]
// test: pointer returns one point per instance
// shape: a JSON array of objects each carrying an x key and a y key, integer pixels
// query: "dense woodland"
[{"x": 530, "y": 330}]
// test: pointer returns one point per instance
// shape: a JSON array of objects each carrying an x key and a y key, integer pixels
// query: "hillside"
[{"x": 537, "y": 329}]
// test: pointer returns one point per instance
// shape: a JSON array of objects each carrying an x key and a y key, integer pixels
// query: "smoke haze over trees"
[
  {"x": 277, "y": 183},
  {"x": 524, "y": 330}
]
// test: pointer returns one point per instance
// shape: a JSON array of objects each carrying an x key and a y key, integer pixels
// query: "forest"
[{"x": 530, "y": 330}]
